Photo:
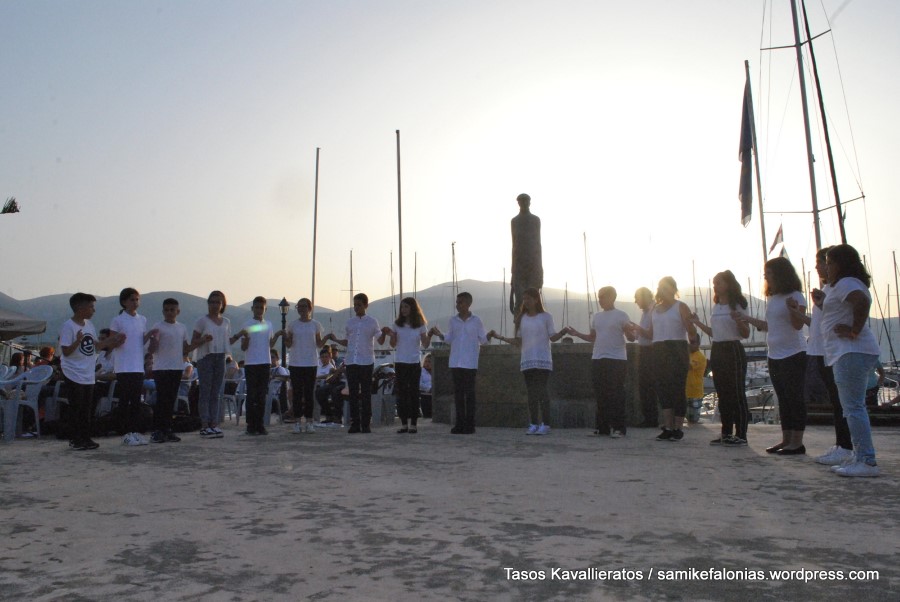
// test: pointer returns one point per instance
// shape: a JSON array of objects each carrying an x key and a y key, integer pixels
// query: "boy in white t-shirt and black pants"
[
  {"x": 79, "y": 344},
  {"x": 168, "y": 347},
  {"x": 257, "y": 338}
]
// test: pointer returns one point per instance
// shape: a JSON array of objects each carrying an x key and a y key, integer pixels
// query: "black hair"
[{"x": 79, "y": 300}]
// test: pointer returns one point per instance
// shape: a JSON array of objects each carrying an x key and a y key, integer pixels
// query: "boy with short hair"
[
  {"x": 465, "y": 335},
  {"x": 79, "y": 342},
  {"x": 168, "y": 346},
  {"x": 361, "y": 332},
  {"x": 257, "y": 338}
]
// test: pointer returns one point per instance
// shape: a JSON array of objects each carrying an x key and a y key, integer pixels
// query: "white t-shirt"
[
  {"x": 815, "y": 345},
  {"x": 304, "y": 352},
  {"x": 837, "y": 310},
  {"x": 783, "y": 340},
  {"x": 723, "y": 327},
  {"x": 409, "y": 344},
  {"x": 646, "y": 323},
  {"x": 535, "y": 332},
  {"x": 221, "y": 335},
  {"x": 608, "y": 327},
  {"x": 79, "y": 367},
  {"x": 465, "y": 338},
  {"x": 129, "y": 356},
  {"x": 323, "y": 371},
  {"x": 169, "y": 354},
  {"x": 667, "y": 324},
  {"x": 360, "y": 334},
  {"x": 258, "y": 351}
]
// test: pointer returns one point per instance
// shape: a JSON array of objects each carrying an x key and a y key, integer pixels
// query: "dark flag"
[
  {"x": 779, "y": 239},
  {"x": 745, "y": 156}
]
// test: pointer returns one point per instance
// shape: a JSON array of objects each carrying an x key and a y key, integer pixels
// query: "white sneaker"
[
  {"x": 310, "y": 428},
  {"x": 835, "y": 455},
  {"x": 858, "y": 469},
  {"x": 616, "y": 434},
  {"x": 532, "y": 429},
  {"x": 543, "y": 429},
  {"x": 132, "y": 439},
  {"x": 851, "y": 459},
  {"x": 298, "y": 428}
]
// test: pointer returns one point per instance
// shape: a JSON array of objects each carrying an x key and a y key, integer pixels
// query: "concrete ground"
[{"x": 435, "y": 516}]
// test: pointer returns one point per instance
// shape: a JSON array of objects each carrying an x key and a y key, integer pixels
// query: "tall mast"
[
  {"x": 834, "y": 183},
  {"x": 896, "y": 292},
  {"x": 809, "y": 152},
  {"x": 455, "y": 282},
  {"x": 399, "y": 215},
  {"x": 315, "y": 229},
  {"x": 587, "y": 282}
]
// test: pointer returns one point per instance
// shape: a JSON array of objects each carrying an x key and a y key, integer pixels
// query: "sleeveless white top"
[{"x": 667, "y": 326}]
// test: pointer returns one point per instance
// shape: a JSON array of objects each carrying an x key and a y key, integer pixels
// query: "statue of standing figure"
[{"x": 527, "y": 265}]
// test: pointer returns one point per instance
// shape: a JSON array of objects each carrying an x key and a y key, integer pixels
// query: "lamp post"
[{"x": 284, "y": 306}]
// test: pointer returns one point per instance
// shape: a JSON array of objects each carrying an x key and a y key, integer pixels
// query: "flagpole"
[
  {"x": 762, "y": 218},
  {"x": 399, "y": 216},
  {"x": 315, "y": 229}
]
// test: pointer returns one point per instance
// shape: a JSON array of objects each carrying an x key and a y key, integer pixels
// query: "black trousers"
[
  {"x": 128, "y": 389},
  {"x": 167, "y": 385},
  {"x": 406, "y": 388},
  {"x": 841, "y": 430},
  {"x": 608, "y": 379},
  {"x": 536, "y": 380},
  {"x": 303, "y": 382},
  {"x": 646, "y": 387},
  {"x": 81, "y": 403},
  {"x": 331, "y": 402},
  {"x": 788, "y": 376},
  {"x": 671, "y": 362},
  {"x": 359, "y": 381},
  {"x": 728, "y": 362},
  {"x": 464, "y": 396},
  {"x": 257, "y": 377}
]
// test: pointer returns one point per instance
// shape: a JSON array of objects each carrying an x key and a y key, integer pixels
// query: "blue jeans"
[
  {"x": 211, "y": 371},
  {"x": 851, "y": 374}
]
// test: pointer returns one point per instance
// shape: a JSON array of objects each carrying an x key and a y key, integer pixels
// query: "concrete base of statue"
[{"x": 500, "y": 394}]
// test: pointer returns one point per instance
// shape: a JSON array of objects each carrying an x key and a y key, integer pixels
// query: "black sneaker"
[
  {"x": 78, "y": 445},
  {"x": 366, "y": 429},
  {"x": 354, "y": 428},
  {"x": 90, "y": 444},
  {"x": 262, "y": 431},
  {"x": 665, "y": 435},
  {"x": 734, "y": 441},
  {"x": 172, "y": 437},
  {"x": 158, "y": 437},
  {"x": 719, "y": 440},
  {"x": 677, "y": 435},
  {"x": 457, "y": 430}
]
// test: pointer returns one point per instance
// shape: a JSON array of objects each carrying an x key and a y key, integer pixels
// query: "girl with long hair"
[
  {"x": 409, "y": 336},
  {"x": 534, "y": 333},
  {"x": 728, "y": 360}
]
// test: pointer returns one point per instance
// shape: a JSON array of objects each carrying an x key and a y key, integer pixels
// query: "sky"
[{"x": 171, "y": 145}]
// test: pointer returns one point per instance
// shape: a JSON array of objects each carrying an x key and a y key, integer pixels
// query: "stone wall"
[{"x": 500, "y": 388}]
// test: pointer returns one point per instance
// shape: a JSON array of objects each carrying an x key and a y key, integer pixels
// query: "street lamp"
[{"x": 285, "y": 307}]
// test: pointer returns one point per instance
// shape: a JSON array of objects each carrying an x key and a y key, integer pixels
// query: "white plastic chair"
[
  {"x": 4, "y": 370},
  {"x": 29, "y": 389},
  {"x": 52, "y": 403},
  {"x": 234, "y": 402},
  {"x": 108, "y": 401},
  {"x": 272, "y": 396}
]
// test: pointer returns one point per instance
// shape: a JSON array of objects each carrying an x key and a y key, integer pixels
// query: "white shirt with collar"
[
  {"x": 361, "y": 332},
  {"x": 465, "y": 338}
]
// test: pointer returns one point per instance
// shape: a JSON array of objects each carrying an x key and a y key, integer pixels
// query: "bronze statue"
[{"x": 527, "y": 265}]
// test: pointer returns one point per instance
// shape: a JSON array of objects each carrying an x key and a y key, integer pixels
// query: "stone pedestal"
[{"x": 500, "y": 388}]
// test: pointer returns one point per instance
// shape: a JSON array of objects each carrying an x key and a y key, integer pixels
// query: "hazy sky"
[{"x": 170, "y": 145}]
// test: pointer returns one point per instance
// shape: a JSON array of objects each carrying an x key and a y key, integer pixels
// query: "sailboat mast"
[
  {"x": 809, "y": 152},
  {"x": 399, "y": 216},
  {"x": 834, "y": 183},
  {"x": 315, "y": 230},
  {"x": 587, "y": 282},
  {"x": 896, "y": 292}
]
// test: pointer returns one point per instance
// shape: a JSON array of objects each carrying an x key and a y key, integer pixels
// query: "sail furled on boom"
[{"x": 745, "y": 156}]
